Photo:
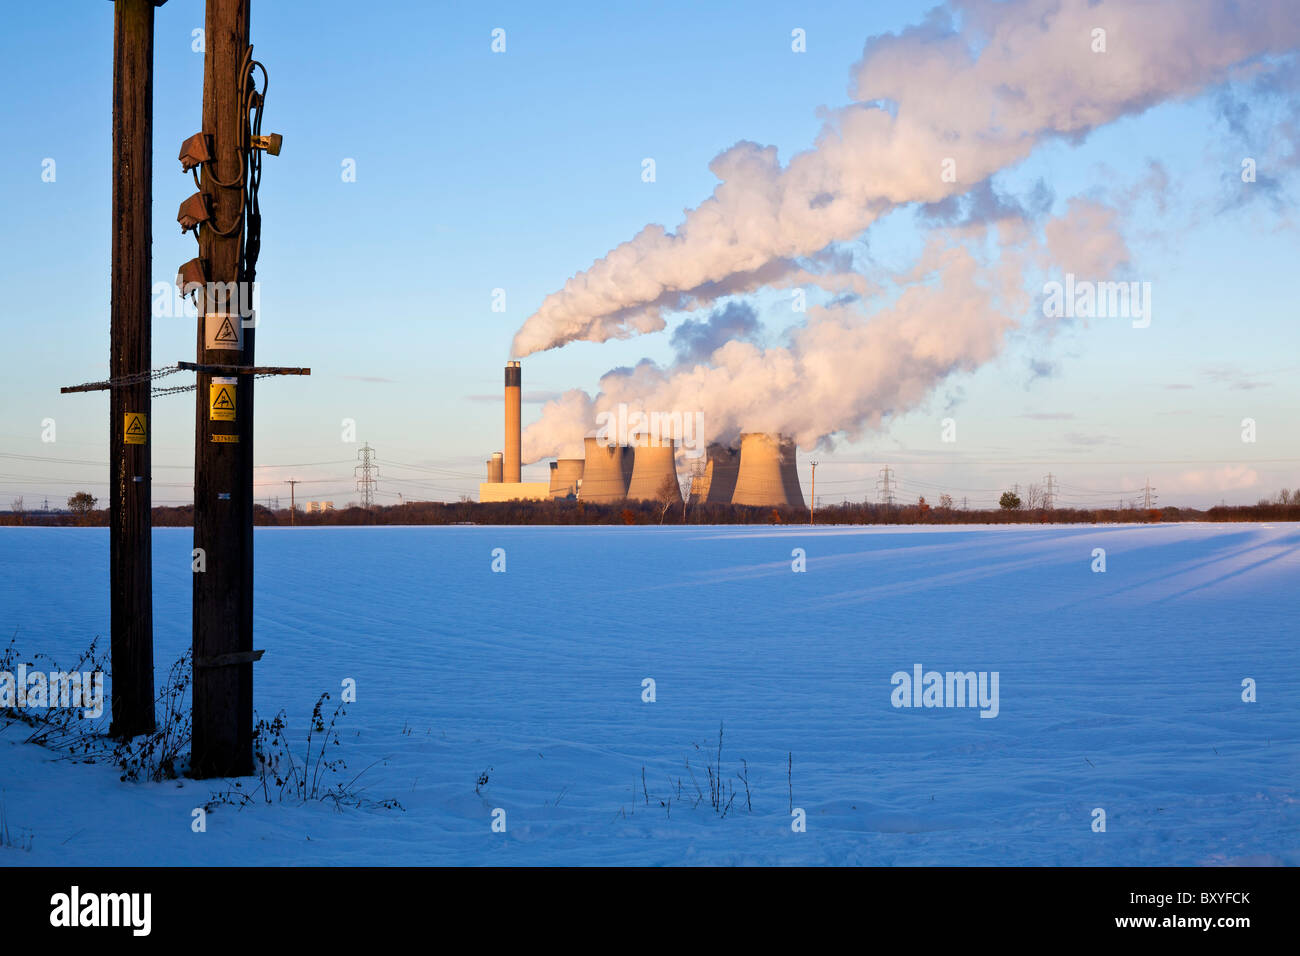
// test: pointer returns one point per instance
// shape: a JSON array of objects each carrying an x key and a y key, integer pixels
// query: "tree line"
[{"x": 82, "y": 511}]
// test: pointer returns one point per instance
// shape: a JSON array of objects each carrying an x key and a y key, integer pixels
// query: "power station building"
[{"x": 761, "y": 471}]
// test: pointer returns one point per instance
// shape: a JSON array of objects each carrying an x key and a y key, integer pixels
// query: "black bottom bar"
[{"x": 976, "y": 907}]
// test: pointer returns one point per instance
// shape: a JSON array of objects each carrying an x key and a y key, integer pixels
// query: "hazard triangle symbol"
[
  {"x": 226, "y": 333},
  {"x": 135, "y": 430},
  {"x": 223, "y": 400}
]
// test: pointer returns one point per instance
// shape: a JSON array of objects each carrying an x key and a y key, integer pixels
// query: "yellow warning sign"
[
  {"x": 226, "y": 439},
  {"x": 221, "y": 399},
  {"x": 135, "y": 431}
]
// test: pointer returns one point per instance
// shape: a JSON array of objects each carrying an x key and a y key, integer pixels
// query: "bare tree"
[
  {"x": 18, "y": 510},
  {"x": 667, "y": 495},
  {"x": 945, "y": 502},
  {"x": 1033, "y": 497}
]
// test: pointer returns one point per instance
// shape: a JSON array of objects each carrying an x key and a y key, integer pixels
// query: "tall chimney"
[{"x": 511, "y": 473}]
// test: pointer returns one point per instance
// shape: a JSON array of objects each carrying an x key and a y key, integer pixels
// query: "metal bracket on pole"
[{"x": 229, "y": 660}]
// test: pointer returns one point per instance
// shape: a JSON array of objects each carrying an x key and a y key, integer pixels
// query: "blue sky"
[{"x": 478, "y": 171}]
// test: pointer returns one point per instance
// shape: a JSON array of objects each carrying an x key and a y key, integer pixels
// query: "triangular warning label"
[
  {"x": 135, "y": 430},
  {"x": 221, "y": 399},
  {"x": 226, "y": 332}
]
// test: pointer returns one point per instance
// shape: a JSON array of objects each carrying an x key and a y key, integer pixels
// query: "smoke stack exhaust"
[{"x": 512, "y": 441}]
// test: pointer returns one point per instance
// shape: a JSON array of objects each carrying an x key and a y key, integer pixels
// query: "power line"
[
  {"x": 99, "y": 463},
  {"x": 441, "y": 472}
]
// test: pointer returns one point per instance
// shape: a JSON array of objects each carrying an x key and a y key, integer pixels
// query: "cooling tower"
[
  {"x": 790, "y": 474},
  {"x": 629, "y": 464},
  {"x": 718, "y": 482},
  {"x": 652, "y": 469},
  {"x": 761, "y": 478},
  {"x": 603, "y": 479},
  {"x": 566, "y": 473},
  {"x": 511, "y": 471},
  {"x": 494, "y": 467}
]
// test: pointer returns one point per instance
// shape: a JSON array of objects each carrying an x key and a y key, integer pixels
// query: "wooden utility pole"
[
  {"x": 223, "y": 451},
  {"x": 130, "y": 539},
  {"x": 293, "y": 508},
  {"x": 812, "y": 511}
]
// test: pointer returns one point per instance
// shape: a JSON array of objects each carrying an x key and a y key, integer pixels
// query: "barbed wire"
[
  {"x": 178, "y": 389},
  {"x": 135, "y": 378}
]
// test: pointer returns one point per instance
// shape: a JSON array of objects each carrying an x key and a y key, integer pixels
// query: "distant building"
[
  {"x": 314, "y": 506},
  {"x": 514, "y": 491}
]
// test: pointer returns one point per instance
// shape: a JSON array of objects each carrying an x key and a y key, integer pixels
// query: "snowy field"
[{"x": 1119, "y": 690}]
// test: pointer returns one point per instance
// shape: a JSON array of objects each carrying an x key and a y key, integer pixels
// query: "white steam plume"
[
  {"x": 841, "y": 371},
  {"x": 980, "y": 83}
]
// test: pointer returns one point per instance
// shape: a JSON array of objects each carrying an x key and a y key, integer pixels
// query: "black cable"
[
  {"x": 256, "y": 101},
  {"x": 248, "y": 224}
]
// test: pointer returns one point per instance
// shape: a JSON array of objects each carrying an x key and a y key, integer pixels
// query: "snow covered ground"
[{"x": 1119, "y": 690}]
